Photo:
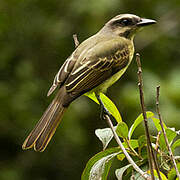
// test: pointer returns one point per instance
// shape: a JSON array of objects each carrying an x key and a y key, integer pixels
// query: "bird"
[{"x": 96, "y": 64}]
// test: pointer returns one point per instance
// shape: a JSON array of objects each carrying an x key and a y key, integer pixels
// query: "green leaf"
[
  {"x": 172, "y": 175},
  {"x": 98, "y": 166},
  {"x": 142, "y": 141},
  {"x": 163, "y": 177},
  {"x": 175, "y": 145},
  {"x": 119, "y": 172},
  {"x": 107, "y": 103},
  {"x": 138, "y": 176},
  {"x": 121, "y": 156},
  {"x": 111, "y": 107},
  {"x": 133, "y": 143},
  {"x": 143, "y": 152},
  {"x": 157, "y": 124},
  {"x": 92, "y": 96},
  {"x": 138, "y": 121},
  {"x": 171, "y": 134},
  {"x": 122, "y": 130},
  {"x": 105, "y": 135}
]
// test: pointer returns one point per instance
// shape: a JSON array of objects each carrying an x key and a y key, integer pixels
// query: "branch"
[
  {"x": 106, "y": 115},
  {"x": 151, "y": 155},
  {"x": 76, "y": 42},
  {"x": 143, "y": 174},
  {"x": 157, "y": 141},
  {"x": 164, "y": 132}
]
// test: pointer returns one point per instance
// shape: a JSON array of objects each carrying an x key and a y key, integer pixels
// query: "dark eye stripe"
[{"x": 123, "y": 22}]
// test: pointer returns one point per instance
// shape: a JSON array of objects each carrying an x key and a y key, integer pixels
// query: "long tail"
[{"x": 46, "y": 127}]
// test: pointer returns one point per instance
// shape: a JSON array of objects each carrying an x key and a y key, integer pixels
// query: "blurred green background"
[{"x": 36, "y": 38}]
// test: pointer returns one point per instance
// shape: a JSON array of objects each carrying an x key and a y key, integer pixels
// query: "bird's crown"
[{"x": 126, "y": 25}]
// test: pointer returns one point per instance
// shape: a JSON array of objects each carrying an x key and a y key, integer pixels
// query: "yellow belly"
[{"x": 109, "y": 82}]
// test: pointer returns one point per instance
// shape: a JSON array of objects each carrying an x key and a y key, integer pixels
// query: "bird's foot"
[{"x": 104, "y": 111}]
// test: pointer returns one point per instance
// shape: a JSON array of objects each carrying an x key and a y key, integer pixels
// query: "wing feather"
[
  {"x": 104, "y": 60},
  {"x": 62, "y": 74}
]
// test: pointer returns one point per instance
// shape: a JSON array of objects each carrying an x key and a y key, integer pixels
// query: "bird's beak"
[{"x": 145, "y": 22}]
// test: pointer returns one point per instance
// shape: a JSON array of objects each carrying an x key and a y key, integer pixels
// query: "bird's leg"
[{"x": 103, "y": 109}]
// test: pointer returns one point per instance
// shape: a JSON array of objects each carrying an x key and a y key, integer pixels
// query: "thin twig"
[
  {"x": 157, "y": 141},
  {"x": 143, "y": 174},
  {"x": 76, "y": 42},
  {"x": 132, "y": 177},
  {"x": 164, "y": 132},
  {"x": 140, "y": 85},
  {"x": 105, "y": 114},
  {"x": 132, "y": 150},
  {"x": 151, "y": 155}
]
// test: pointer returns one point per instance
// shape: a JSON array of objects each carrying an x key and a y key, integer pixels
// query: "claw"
[{"x": 104, "y": 110}]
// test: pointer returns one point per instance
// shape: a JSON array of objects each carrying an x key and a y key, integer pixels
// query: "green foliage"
[
  {"x": 172, "y": 173},
  {"x": 105, "y": 135},
  {"x": 122, "y": 130},
  {"x": 171, "y": 134},
  {"x": 157, "y": 124},
  {"x": 99, "y": 165},
  {"x": 92, "y": 96},
  {"x": 119, "y": 172},
  {"x": 163, "y": 177},
  {"x": 138, "y": 120},
  {"x": 36, "y": 38},
  {"x": 142, "y": 141},
  {"x": 175, "y": 144},
  {"x": 108, "y": 104},
  {"x": 137, "y": 176}
]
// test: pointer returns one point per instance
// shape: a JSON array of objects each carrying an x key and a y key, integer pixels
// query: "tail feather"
[
  {"x": 46, "y": 127},
  {"x": 49, "y": 130}
]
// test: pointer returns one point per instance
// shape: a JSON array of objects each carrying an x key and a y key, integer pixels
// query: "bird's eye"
[
  {"x": 123, "y": 22},
  {"x": 126, "y": 22}
]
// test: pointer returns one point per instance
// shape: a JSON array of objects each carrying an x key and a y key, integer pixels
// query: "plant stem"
[
  {"x": 151, "y": 155},
  {"x": 132, "y": 150},
  {"x": 76, "y": 42},
  {"x": 106, "y": 115},
  {"x": 164, "y": 132},
  {"x": 157, "y": 141},
  {"x": 143, "y": 174}
]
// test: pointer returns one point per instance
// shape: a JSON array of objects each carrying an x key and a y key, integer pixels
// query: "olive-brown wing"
[{"x": 98, "y": 65}]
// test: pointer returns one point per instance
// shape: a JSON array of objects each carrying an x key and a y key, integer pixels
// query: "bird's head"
[{"x": 126, "y": 25}]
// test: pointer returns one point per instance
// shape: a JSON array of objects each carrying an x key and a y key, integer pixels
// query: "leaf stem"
[
  {"x": 131, "y": 149},
  {"x": 164, "y": 132}
]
